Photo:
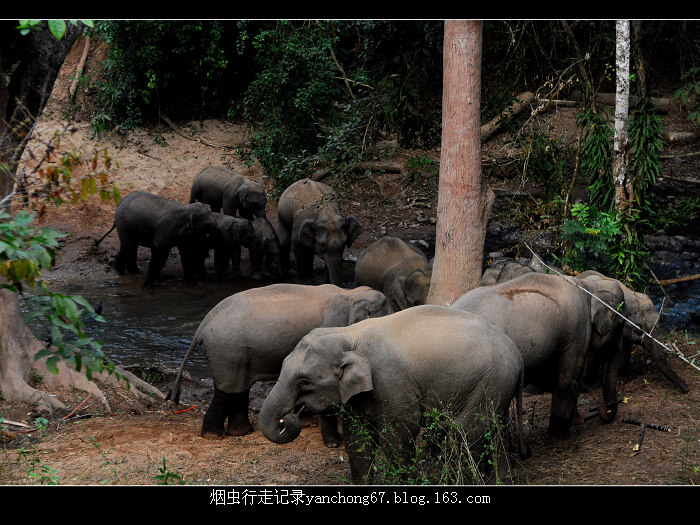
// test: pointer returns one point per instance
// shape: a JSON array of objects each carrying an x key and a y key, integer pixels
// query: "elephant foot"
[
  {"x": 239, "y": 429},
  {"x": 332, "y": 441},
  {"x": 329, "y": 431},
  {"x": 214, "y": 436},
  {"x": 607, "y": 415},
  {"x": 560, "y": 441}
]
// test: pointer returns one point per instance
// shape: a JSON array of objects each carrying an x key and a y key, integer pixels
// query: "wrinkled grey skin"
[
  {"x": 388, "y": 372},
  {"x": 231, "y": 234},
  {"x": 554, "y": 323},
  {"x": 310, "y": 223},
  {"x": 145, "y": 219},
  {"x": 639, "y": 309},
  {"x": 266, "y": 260},
  {"x": 247, "y": 335},
  {"x": 223, "y": 189},
  {"x": 398, "y": 269},
  {"x": 512, "y": 269}
]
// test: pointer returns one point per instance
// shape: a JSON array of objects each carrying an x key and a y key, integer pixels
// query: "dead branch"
[
  {"x": 520, "y": 102},
  {"x": 79, "y": 69},
  {"x": 678, "y": 279},
  {"x": 177, "y": 130}
]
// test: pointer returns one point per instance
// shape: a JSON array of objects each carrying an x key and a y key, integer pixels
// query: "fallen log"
[{"x": 520, "y": 102}]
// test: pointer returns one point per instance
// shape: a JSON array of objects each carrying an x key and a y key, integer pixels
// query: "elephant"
[
  {"x": 398, "y": 269},
  {"x": 146, "y": 219},
  {"x": 639, "y": 310},
  {"x": 310, "y": 223},
  {"x": 224, "y": 189},
  {"x": 555, "y": 321},
  {"x": 266, "y": 259},
  {"x": 387, "y": 373},
  {"x": 247, "y": 335},
  {"x": 231, "y": 234}
]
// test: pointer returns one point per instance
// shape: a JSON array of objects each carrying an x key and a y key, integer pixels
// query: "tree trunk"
[
  {"x": 624, "y": 195},
  {"x": 463, "y": 202}
]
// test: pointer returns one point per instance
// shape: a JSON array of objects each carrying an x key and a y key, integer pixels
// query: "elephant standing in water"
[
  {"x": 231, "y": 234},
  {"x": 398, "y": 269},
  {"x": 310, "y": 223},
  {"x": 145, "y": 219},
  {"x": 555, "y": 323},
  {"x": 247, "y": 336},
  {"x": 387, "y": 373},
  {"x": 224, "y": 189}
]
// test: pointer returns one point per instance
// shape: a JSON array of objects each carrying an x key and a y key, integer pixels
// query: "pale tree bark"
[
  {"x": 621, "y": 173},
  {"x": 464, "y": 202}
]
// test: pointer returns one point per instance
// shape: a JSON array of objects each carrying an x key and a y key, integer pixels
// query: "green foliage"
[
  {"x": 176, "y": 67},
  {"x": 446, "y": 452},
  {"x": 605, "y": 242},
  {"x": 687, "y": 92},
  {"x": 596, "y": 155},
  {"x": 544, "y": 159},
  {"x": 25, "y": 251},
  {"x": 57, "y": 27},
  {"x": 165, "y": 477},
  {"x": 422, "y": 167}
]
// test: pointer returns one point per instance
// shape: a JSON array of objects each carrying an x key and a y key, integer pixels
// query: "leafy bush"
[{"x": 688, "y": 92}]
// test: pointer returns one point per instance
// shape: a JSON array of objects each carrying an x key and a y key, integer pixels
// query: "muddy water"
[{"x": 151, "y": 326}]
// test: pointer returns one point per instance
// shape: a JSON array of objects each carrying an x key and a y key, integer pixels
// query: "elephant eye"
[{"x": 304, "y": 385}]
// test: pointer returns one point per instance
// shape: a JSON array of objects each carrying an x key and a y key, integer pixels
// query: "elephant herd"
[{"x": 376, "y": 350}]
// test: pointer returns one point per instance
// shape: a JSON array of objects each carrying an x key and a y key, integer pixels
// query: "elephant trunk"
[
  {"x": 277, "y": 420},
  {"x": 334, "y": 268},
  {"x": 658, "y": 354}
]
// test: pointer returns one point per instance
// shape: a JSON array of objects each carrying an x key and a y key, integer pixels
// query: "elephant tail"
[
  {"x": 98, "y": 241},
  {"x": 523, "y": 447},
  {"x": 174, "y": 391}
]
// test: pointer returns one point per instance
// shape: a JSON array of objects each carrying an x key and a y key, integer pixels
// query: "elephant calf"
[
  {"x": 145, "y": 219},
  {"x": 398, "y": 269},
  {"x": 223, "y": 189},
  {"x": 247, "y": 336},
  {"x": 389, "y": 372},
  {"x": 310, "y": 223}
]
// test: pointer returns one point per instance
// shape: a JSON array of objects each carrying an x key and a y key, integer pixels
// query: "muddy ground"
[{"x": 148, "y": 443}]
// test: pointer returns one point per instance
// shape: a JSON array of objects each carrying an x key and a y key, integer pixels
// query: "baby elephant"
[
  {"x": 247, "y": 336},
  {"x": 390, "y": 372},
  {"x": 223, "y": 189},
  {"x": 398, "y": 269}
]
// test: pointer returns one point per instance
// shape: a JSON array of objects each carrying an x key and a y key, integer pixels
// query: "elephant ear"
[
  {"x": 307, "y": 231},
  {"x": 397, "y": 292},
  {"x": 608, "y": 294},
  {"x": 239, "y": 197},
  {"x": 359, "y": 311},
  {"x": 355, "y": 376},
  {"x": 354, "y": 230}
]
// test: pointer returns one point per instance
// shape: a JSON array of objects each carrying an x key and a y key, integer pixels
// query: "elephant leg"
[
  {"x": 329, "y": 430},
  {"x": 222, "y": 256},
  {"x": 192, "y": 264},
  {"x": 238, "y": 423},
  {"x": 159, "y": 257},
  {"x": 305, "y": 262},
  {"x": 126, "y": 259},
  {"x": 216, "y": 414},
  {"x": 236, "y": 259}
]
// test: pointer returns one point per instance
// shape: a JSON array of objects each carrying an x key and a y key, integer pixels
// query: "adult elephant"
[
  {"x": 247, "y": 336},
  {"x": 234, "y": 193},
  {"x": 398, "y": 269},
  {"x": 310, "y": 223},
  {"x": 554, "y": 321},
  {"x": 639, "y": 310},
  {"x": 231, "y": 234},
  {"x": 388, "y": 373},
  {"x": 146, "y": 219}
]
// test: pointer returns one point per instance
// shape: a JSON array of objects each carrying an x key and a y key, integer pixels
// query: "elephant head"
[
  {"x": 317, "y": 377},
  {"x": 250, "y": 200},
  {"x": 197, "y": 221},
  {"x": 366, "y": 303},
  {"x": 607, "y": 305},
  {"x": 267, "y": 249},
  {"x": 410, "y": 290},
  {"x": 327, "y": 232}
]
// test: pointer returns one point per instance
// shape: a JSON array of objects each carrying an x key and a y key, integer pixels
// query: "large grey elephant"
[
  {"x": 247, "y": 336},
  {"x": 231, "y": 234},
  {"x": 310, "y": 223},
  {"x": 639, "y": 310},
  {"x": 234, "y": 193},
  {"x": 146, "y": 219},
  {"x": 398, "y": 269},
  {"x": 387, "y": 373},
  {"x": 555, "y": 321}
]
